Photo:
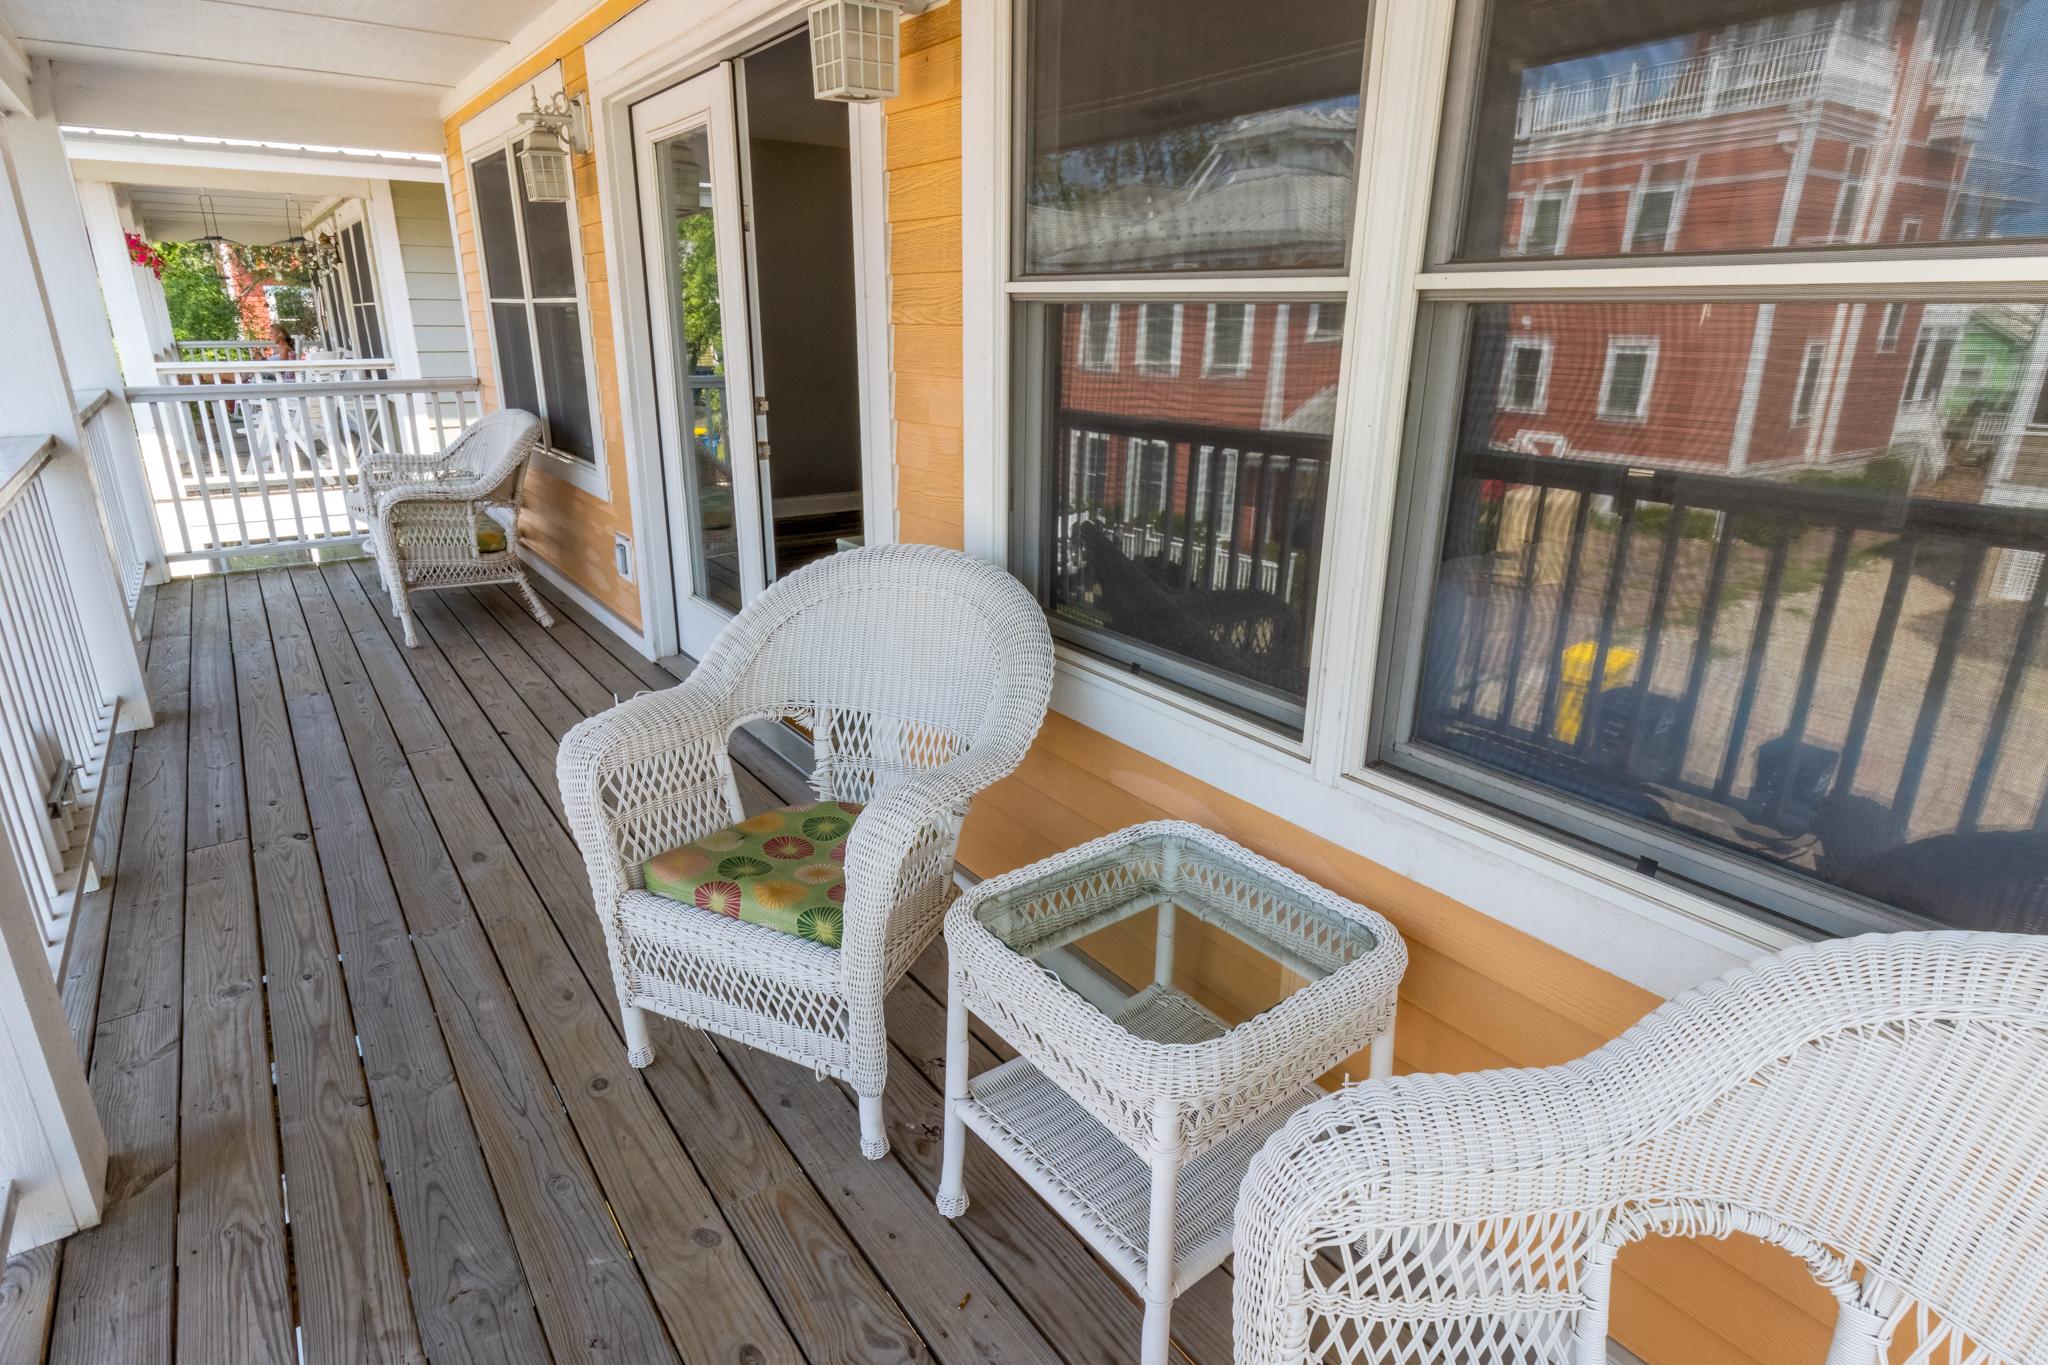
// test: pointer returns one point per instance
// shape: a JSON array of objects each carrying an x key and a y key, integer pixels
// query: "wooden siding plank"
[
  {"x": 114, "y": 1284},
  {"x": 345, "y": 1252}
]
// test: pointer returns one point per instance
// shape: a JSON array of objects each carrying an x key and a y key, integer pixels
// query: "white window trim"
[
  {"x": 1569, "y": 187},
  {"x": 1681, "y": 193},
  {"x": 1109, "y": 362},
  {"x": 1243, "y": 364},
  {"x": 1803, "y": 392},
  {"x": 1615, "y": 345},
  {"x": 1653, "y": 933},
  {"x": 1887, "y": 335},
  {"x": 1172, "y": 365},
  {"x": 1507, "y": 375},
  {"x": 497, "y": 129}
]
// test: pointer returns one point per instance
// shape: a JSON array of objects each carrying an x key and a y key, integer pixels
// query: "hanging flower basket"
[{"x": 145, "y": 255}]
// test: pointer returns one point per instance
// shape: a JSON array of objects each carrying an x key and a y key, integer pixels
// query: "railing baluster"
[
  {"x": 1904, "y": 554},
  {"x": 2024, "y": 640},
  {"x": 1907, "y": 794},
  {"x": 1653, "y": 629},
  {"x": 1809, "y": 669},
  {"x": 1753, "y": 667},
  {"x": 1560, "y": 630},
  {"x": 1524, "y": 596},
  {"x": 1610, "y": 603}
]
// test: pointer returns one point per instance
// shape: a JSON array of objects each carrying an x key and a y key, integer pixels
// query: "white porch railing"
[
  {"x": 266, "y": 464},
  {"x": 57, "y": 713},
  {"x": 222, "y": 350},
  {"x": 1834, "y": 65},
  {"x": 262, "y": 370},
  {"x": 108, "y": 448}
]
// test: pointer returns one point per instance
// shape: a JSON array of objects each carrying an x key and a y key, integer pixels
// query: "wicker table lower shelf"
[{"x": 1101, "y": 1184}]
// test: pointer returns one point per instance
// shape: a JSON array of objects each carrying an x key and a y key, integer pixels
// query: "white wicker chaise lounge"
[
  {"x": 1877, "y": 1106},
  {"x": 922, "y": 675},
  {"x": 450, "y": 520}
]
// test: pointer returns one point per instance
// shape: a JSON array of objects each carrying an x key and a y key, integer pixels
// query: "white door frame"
[
  {"x": 703, "y": 103},
  {"x": 658, "y": 45}
]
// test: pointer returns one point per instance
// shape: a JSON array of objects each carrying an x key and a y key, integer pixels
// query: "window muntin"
[
  {"x": 536, "y": 315},
  {"x": 1814, "y": 125},
  {"x": 1172, "y": 520},
  {"x": 1792, "y": 626},
  {"x": 1207, "y": 135}
]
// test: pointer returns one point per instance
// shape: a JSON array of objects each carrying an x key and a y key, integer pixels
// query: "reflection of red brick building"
[{"x": 1845, "y": 124}]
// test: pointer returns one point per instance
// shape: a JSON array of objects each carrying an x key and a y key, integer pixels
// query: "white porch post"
[
  {"x": 36, "y": 397},
  {"x": 394, "y": 300},
  {"x": 52, "y": 1147},
  {"x": 78, "y": 306},
  {"x": 124, "y": 286}
]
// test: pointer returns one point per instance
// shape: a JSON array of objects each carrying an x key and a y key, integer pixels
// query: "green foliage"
[
  {"x": 1699, "y": 524},
  {"x": 697, "y": 279},
  {"x": 197, "y": 293}
]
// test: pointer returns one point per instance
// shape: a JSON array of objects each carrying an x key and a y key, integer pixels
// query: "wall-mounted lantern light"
[
  {"x": 555, "y": 132},
  {"x": 853, "y": 49}
]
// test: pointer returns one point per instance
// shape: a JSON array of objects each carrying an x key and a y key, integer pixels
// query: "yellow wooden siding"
[
  {"x": 564, "y": 525},
  {"x": 923, "y": 161}
]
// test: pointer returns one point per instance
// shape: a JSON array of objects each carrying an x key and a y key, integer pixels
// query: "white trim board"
[{"x": 604, "y": 615}]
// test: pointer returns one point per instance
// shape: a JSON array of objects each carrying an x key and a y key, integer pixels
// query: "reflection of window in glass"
[
  {"x": 1785, "y": 101},
  {"x": 1159, "y": 338},
  {"x": 1909, "y": 229},
  {"x": 1543, "y": 220},
  {"x": 1889, "y": 329},
  {"x": 537, "y": 318},
  {"x": 1929, "y": 367},
  {"x": 1803, "y": 392},
  {"x": 1098, "y": 336},
  {"x": 1200, "y": 566},
  {"x": 1204, "y": 135},
  {"x": 1525, "y": 376},
  {"x": 1227, "y": 348},
  {"x": 1320, "y": 327},
  {"x": 1850, "y": 197},
  {"x": 1654, "y": 215},
  {"x": 1625, "y": 384}
]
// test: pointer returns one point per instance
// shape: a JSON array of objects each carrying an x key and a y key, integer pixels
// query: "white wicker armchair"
[
  {"x": 1877, "y": 1106},
  {"x": 450, "y": 520},
  {"x": 923, "y": 675}
]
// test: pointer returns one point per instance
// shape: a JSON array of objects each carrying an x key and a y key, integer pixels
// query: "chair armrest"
[
  {"x": 647, "y": 775},
  {"x": 1431, "y": 1198}
]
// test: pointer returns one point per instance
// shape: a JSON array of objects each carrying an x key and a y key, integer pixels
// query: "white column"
[
  {"x": 394, "y": 300},
  {"x": 121, "y": 282},
  {"x": 36, "y": 397},
  {"x": 71, "y": 279}
]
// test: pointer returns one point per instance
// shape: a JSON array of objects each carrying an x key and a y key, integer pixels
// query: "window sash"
[{"x": 531, "y": 304}]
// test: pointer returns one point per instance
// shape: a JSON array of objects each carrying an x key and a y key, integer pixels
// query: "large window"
[
  {"x": 350, "y": 321},
  {"x": 1734, "y": 580},
  {"x": 1171, "y": 467},
  {"x": 529, "y": 252}
]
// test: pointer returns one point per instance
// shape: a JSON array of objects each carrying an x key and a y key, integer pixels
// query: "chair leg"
[
  {"x": 401, "y": 607},
  {"x": 533, "y": 602},
  {"x": 874, "y": 1138},
  {"x": 639, "y": 1047}
]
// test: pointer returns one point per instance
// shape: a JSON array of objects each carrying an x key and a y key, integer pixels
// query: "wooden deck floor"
[{"x": 349, "y": 1025}]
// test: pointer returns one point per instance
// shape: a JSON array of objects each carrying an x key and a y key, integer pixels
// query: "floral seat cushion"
[{"x": 783, "y": 869}]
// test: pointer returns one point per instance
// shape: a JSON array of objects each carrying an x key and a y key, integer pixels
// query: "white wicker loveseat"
[
  {"x": 923, "y": 675},
  {"x": 1877, "y": 1106},
  {"x": 450, "y": 520}
]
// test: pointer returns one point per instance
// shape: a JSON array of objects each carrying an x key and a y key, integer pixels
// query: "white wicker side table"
[{"x": 1134, "y": 1110}]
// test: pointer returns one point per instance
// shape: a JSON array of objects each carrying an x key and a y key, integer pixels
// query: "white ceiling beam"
[
  {"x": 14, "y": 74},
  {"x": 209, "y": 98},
  {"x": 157, "y": 161}
]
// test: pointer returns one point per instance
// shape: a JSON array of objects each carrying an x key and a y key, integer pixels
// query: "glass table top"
[{"x": 1174, "y": 939}]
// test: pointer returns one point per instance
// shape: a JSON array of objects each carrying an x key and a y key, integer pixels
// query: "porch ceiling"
[{"x": 359, "y": 73}]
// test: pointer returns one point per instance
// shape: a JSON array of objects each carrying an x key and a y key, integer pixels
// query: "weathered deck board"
[{"x": 331, "y": 842}]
